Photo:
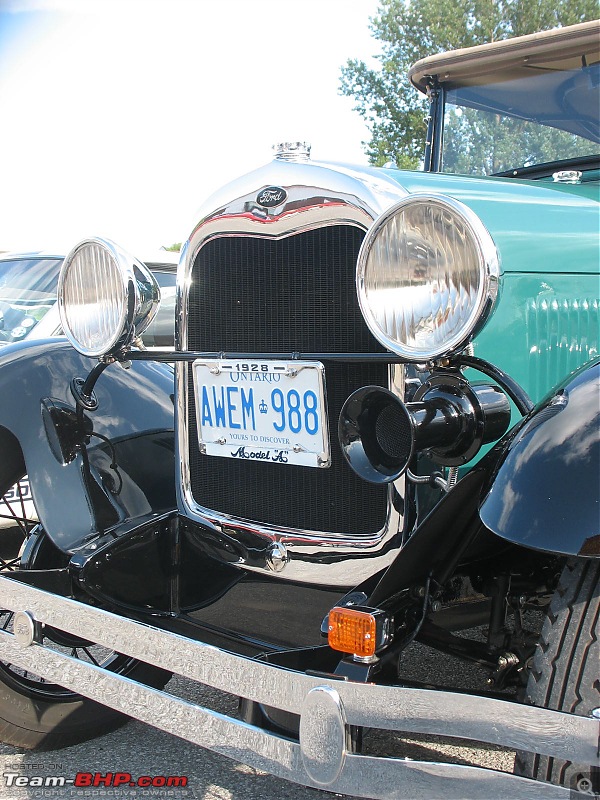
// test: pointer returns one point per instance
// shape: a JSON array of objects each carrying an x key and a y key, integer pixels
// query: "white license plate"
[{"x": 258, "y": 410}]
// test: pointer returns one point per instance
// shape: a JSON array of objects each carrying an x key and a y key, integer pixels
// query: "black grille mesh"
[{"x": 293, "y": 295}]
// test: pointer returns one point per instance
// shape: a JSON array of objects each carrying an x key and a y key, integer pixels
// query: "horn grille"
[{"x": 393, "y": 433}]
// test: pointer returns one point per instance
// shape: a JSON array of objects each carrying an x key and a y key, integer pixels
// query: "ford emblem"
[{"x": 271, "y": 196}]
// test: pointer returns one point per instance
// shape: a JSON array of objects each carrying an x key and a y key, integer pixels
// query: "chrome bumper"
[{"x": 320, "y": 758}]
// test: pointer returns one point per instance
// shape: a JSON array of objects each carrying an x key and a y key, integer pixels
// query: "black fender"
[
  {"x": 543, "y": 492},
  {"x": 80, "y": 497}
]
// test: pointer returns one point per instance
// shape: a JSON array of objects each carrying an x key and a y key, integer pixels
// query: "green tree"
[{"x": 408, "y": 30}]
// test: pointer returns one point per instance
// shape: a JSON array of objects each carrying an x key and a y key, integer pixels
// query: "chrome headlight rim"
[
  {"x": 137, "y": 297},
  {"x": 489, "y": 265}
]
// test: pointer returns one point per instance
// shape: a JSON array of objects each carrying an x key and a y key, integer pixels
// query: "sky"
[{"x": 120, "y": 117}]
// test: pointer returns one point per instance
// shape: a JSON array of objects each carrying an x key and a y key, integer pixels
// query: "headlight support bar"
[
  {"x": 516, "y": 393},
  {"x": 173, "y": 355}
]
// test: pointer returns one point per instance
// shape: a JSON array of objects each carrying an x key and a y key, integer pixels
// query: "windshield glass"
[
  {"x": 550, "y": 116},
  {"x": 27, "y": 291}
]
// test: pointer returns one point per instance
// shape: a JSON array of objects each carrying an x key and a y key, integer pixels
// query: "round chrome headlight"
[
  {"x": 105, "y": 297},
  {"x": 427, "y": 277}
]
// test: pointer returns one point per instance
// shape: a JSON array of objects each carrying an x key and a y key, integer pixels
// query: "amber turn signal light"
[{"x": 352, "y": 631}]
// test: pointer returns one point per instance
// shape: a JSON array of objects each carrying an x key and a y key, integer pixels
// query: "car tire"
[
  {"x": 564, "y": 673},
  {"x": 35, "y": 714},
  {"x": 32, "y": 723}
]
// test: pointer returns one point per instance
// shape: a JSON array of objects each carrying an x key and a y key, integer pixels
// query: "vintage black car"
[
  {"x": 384, "y": 429},
  {"x": 29, "y": 310}
]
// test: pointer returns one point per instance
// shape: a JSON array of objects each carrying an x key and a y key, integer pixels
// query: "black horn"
[
  {"x": 449, "y": 418},
  {"x": 376, "y": 434}
]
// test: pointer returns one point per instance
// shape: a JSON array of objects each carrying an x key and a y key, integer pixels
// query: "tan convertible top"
[{"x": 562, "y": 48}]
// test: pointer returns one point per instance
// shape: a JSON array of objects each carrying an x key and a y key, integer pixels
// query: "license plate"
[{"x": 271, "y": 411}]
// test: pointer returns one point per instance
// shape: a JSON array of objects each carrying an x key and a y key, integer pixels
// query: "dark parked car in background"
[{"x": 384, "y": 430}]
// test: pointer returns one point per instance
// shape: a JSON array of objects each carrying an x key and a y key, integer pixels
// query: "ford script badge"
[{"x": 271, "y": 196}]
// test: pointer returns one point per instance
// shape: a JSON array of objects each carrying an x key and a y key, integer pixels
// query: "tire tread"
[{"x": 564, "y": 670}]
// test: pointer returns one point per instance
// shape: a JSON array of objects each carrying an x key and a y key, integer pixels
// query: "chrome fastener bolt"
[
  {"x": 584, "y": 785},
  {"x": 215, "y": 371},
  {"x": 277, "y": 557},
  {"x": 291, "y": 372},
  {"x": 365, "y": 659},
  {"x": 507, "y": 660},
  {"x": 221, "y": 440},
  {"x": 25, "y": 628}
]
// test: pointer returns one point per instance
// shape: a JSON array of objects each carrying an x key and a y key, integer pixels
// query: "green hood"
[{"x": 538, "y": 227}]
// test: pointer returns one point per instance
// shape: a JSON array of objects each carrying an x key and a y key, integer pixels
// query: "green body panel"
[
  {"x": 537, "y": 226},
  {"x": 544, "y": 327}
]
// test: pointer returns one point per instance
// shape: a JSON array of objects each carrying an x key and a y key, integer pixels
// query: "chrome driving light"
[
  {"x": 106, "y": 297},
  {"x": 427, "y": 277}
]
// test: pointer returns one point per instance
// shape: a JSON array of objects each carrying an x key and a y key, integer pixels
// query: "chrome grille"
[{"x": 296, "y": 294}]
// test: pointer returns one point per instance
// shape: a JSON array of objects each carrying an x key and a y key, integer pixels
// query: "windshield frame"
[
  {"x": 562, "y": 68},
  {"x": 545, "y": 117},
  {"x": 440, "y": 96}
]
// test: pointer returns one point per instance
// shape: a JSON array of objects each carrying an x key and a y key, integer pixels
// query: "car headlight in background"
[
  {"x": 106, "y": 297},
  {"x": 427, "y": 277}
]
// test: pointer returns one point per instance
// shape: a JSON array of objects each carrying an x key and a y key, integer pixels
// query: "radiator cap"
[{"x": 292, "y": 151}]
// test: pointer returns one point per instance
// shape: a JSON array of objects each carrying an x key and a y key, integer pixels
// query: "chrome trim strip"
[
  {"x": 315, "y": 699},
  {"x": 317, "y": 195}
]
